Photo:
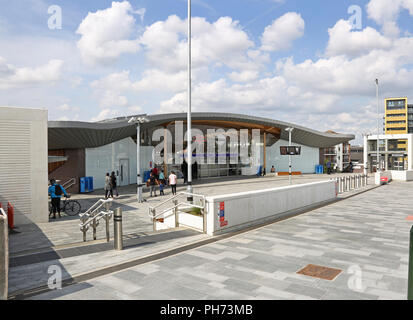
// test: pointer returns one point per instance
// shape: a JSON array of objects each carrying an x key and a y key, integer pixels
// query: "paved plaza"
[{"x": 365, "y": 236}]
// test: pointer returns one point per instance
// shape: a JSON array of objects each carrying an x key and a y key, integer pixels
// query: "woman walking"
[
  {"x": 108, "y": 186},
  {"x": 172, "y": 182},
  {"x": 114, "y": 185}
]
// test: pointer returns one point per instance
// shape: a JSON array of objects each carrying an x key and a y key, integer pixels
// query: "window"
[
  {"x": 397, "y": 122},
  {"x": 396, "y": 104}
]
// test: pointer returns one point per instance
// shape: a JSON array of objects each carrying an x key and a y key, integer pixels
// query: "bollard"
[
  {"x": 410, "y": 278},
  {"x": 175, "y": 202},
  {"x": 117, "y": 223}
]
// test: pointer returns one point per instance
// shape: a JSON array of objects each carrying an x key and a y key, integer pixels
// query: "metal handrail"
[
  {"x": 69, "y": 183},
  {"x": 95, "y": 207},
  {"x": 175, "y": 206},
  {"x": 174, "y": 209},
  {"x": 176, "y": 196},
  {"x": 92, "y": 217}
]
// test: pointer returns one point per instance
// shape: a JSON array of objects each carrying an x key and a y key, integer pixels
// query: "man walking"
[
  {"x": 55, "y": 193},
  {"x": 152, "y": 183}
]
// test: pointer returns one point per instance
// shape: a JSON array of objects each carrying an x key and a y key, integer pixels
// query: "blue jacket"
[{"x": 52, "y": 191}]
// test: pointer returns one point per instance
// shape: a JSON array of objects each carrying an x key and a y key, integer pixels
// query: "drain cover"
[{"x": 320, "y": 272}]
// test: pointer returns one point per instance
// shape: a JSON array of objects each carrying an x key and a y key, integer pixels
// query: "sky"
[{"x": 311, "y": 63}]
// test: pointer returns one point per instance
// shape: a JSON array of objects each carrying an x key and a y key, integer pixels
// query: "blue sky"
[{"x": 293, "y": 60}]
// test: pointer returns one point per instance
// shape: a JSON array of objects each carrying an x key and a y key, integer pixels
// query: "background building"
[{"x": 93, "y": 149}]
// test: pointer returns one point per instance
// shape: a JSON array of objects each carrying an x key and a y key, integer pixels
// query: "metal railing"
[
  {"x": 349, "y": 183},
  {"x": 69, "y": 183},
  {"x": 172, "y": 206},
  {"x": 4, "y": 255},
  {"x": 91, "y": 218}
]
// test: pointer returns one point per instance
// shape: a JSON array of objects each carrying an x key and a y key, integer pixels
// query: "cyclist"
[{"x": 55, "y": 193}]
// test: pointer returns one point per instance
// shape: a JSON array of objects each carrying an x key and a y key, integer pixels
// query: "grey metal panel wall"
[{"x": 15, "y": 164}]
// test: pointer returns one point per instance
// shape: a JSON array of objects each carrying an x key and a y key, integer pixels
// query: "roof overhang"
[{"x": 78, "y": 135}]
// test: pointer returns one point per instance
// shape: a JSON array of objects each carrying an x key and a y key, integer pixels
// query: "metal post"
[
  {"x": 94, "y": 229},
  {"x": 175, "y": 202},
  {"x": 138, "y": 161},
  {"x": 84, "y": 234},
  {"x": 410, "y": 277},
  {"x": 117, "y": 223},
  {"x": 107, "y": 228},
  {"x": 153, "y": 219},
  {"x": 378, "y": 124},
  {"x": 189, "y": 148},
  {"x": 290, "y": 130}
]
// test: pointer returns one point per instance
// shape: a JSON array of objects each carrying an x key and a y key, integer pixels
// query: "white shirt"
[{"x": 172, "y": 179}]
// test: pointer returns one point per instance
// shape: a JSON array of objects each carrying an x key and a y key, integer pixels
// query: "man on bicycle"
[{"x": 55, "y": 193}]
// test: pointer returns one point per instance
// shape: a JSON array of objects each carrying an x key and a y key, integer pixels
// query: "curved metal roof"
[{"x": 75, "y": 134}]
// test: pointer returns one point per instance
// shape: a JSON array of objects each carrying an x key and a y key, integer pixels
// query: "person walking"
[
  {"x": 152, "y": 183},
  {"x": 55, "y": 193},
  {"x": 184, "y": 169},
  {"x": 328, "y": 165},
  {"x": 108, "y": 186},
  {"x": 172, "y": 182},
  {"x": 114, "y": 184}
]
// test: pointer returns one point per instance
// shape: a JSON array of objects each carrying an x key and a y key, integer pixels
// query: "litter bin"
[
  {"x": 319, "y": 169},
  {"x": 82, "y": 185},
  {"x": 89, "y": 184}
]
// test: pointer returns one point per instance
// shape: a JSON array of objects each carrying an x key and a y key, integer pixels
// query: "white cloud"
[
  {"x": 386, "y": 14},
  {"x": 354, "y": 43},
  {"x": 280, "y": 35},
  {"x": 105, "y": 114},
  {"x": 221, "y": 42},
  {"x": 13, "y": 77},
  {"x": 106, "y": 34}
]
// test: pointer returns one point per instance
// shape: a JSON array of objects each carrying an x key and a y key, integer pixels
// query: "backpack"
[{"x": 58, "y": 190}]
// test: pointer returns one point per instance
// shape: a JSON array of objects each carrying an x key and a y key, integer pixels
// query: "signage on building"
[
  {"x": 221, "y": 214},
  {"x": 290, "y": 151}
]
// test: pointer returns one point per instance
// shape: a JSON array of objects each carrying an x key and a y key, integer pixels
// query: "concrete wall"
[
  {"x": 23, "y": 163},
  {"x": 99, "y": 161},
  {"x": 306, "y": 162},
  {"x": 4, "y": 257},
  {"x": 245, "y": 209}
]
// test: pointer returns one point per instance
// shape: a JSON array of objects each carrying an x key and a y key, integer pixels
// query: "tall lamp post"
[
  {"x": 138, "y": 121},
  {"x": 189, "y": 153},
  {"x": 378, "y": 124},
  {"x": 290, "y": 130}
]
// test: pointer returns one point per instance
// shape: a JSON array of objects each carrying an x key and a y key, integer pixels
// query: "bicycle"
[{"x": 70, "y": 207}]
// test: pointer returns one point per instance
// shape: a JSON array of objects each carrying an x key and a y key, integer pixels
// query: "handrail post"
[
  {"x": 107, "y": 228},
  {"x": 154, "y": 220},
  {"x": 175, "y": 202},
  {"x": 204, "y": 216},
  {"x": 84, "y": 234},
  {"x": 94, "y": 229}
]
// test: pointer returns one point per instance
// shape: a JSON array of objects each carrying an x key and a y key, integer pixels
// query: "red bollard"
[{"x": 10, "y": 215}]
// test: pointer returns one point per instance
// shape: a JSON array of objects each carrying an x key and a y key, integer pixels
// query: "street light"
[
  {"x": 290, "y": 130},
  {"x": 138, "y": 121},
  {"x": 378, "y": 130},
  {"x": 189, "y": 187}
]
